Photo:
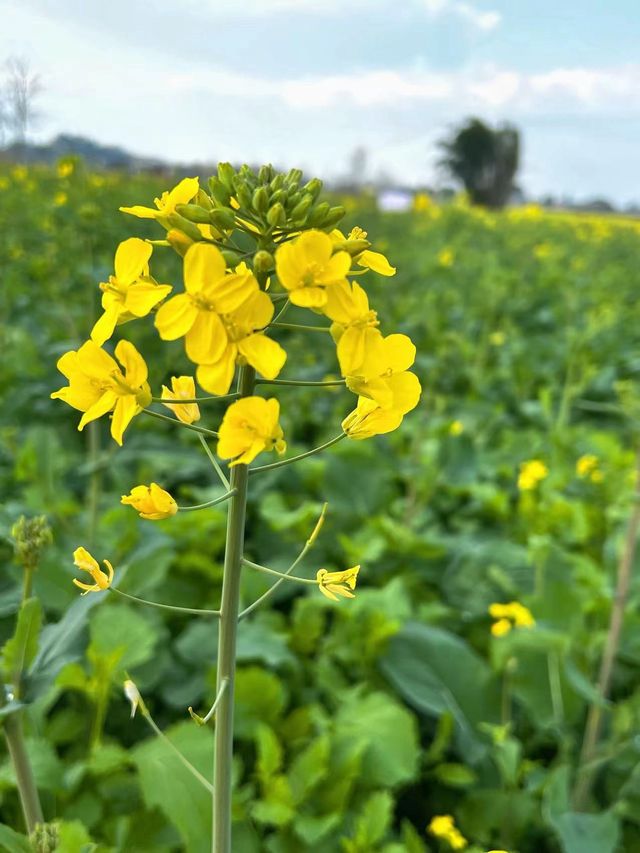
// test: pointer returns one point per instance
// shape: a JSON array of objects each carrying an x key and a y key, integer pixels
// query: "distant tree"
[
  {"x": 484, "y": 160},
  {"x": 22, "y": 87}
]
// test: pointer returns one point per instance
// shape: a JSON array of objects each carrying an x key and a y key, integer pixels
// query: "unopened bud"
[
  {"x": 30, "y": 537},
  {"x": 277, "y": 183},
  {"x": 319, "y": 213},
  {"x": 226, "y": 174},
  {"x": 260, "y": 201},
  {"x": 220, "y": 191},
  {"x": 193, "y": 212},
  {"x": 133, "y": 695},
  {"x": 313, "y": 187},
  {"x": 293, "y": 177},
  {"x": 265, "y": 174},
  {"x": 231, "y": 258},
  {"x": 222, "y": 217},
  {"x": 263, "y": 262},
  {"x": 334, "y": 216},
  {"x": 179, "y": 241},
  {"x": 300, "y": 210},
  {"x": 45, "y": 838},
  {"x": 318, "y": 527},
  {"x": 182, "y": 224},
  {"x": 244, "y": 195},
  {"x": 354, "y": 247},
  {"x": 276, "y": 214},
  {"x": 203, "y": 200}
]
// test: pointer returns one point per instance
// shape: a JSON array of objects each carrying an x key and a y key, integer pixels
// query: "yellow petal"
[
  {"x": 351, "y": 350},
  {"x": 206, "y": 340},
  {"x": 135, "y": 368},
  {"x": 105, "y": 325},
  {"x": 123, "y": 413},
  {"x": 203, "y": 267},
  {"x": 309, "y": 297},
  {"x": 399, "y": 352},
  {"x": 132, "y": 256},
  {"x": 376, "y": 262},
  {"x": 217, "y": 378},
  {"x": 143, "y": 296},
  {"x": 263, "y": 354},
  {"x": 99, "y": 408},
  {"x": 140, "y": 211},
  {"x": 176, "y": 317},
  {"x": 182, "y": 193},
  {"x": 95, "y": 362}
]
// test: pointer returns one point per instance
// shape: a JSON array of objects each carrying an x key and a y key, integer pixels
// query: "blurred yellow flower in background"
[
  {"x": 531, "y": 473},
  {"x": 444, "y": 828},
  {"x": 446, "y": 258},
  {"x": 508, "y": 616}
]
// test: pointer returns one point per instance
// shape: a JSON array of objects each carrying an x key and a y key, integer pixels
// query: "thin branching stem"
[
  {"x": 329, "y": 383},
  {"x": 180, "y": 402},
  {"x": 282, "y": 575},
  {"x": 183, "y": 760},
  {"x": 215, "y": 501},
  {"x": 297, "y": 458},
  {"x": 176, "y": 422},
  {"x": 215, "y": 464},
  {"x": 194, "y": 611}
]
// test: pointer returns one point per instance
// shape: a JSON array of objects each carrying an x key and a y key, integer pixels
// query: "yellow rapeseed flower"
[
  {"x": 182, "y": 388},
  {"x": 456, "y": 428},
  {"x": 60, "y": 199},
  {"x": 382, "y": 359},
  {"x": 446, "y": 258},
  {"x": 249, "y": 426},
  {"x": 531, "y": 473},
  {"x": 422, "y": 202},
  {"x": 443, "y": 827},
  {"x": 497, "y": 339},
  {"x": 508, "y": 616},
  {"x": 375, "y": 261},
  {"x": 353, "y": 321},
  {"x": 83, "y": 560},
  {"x": 588, "y": 466},
  {"x": 130, "y": 293},
  {"x": 306, "y": 267},
  {"x": 334, "y": 584},
  {"x": 65, "y": 168},
  {"x": 97, "y": 385},
  {"x": 182, "y": 193},
  {"x": 369, "y": 419},
  {"x": 152, "y": 502}
]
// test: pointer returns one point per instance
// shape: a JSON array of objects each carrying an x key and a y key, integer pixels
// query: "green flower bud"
[
  {"x": 182, "y": 224},
  {"x": 244, "y": 196},
  {"x": 334, "y": 216},
  {"x": 265, "y": 174},
  {"x": 222, "y": 217},
  {"x": 277, "y": 183},
  {"x": 293, "y": 177},
  {"x": 179, "y": 242},
  {"x": 260, "y": 200},
  {"x": 293, "y": 199},
  {"x": 193, "y": 212},
  {"x": 319, "y": 213},
  {"x": 203, "y": 200},
  {"x": 300, "y": 210},
  {"x": 232, "y": 259},
  {"x": 279, "y": 196},
  {"x": 276, "y": 214},
  {"x": 226, "y": 174},
  {"x": 354, "y": 247},
  {"x": 314, "y": 186},
  {"x": 45, "y": 838},
  {"x": 263, "y": 262},
  {"x": 220, "y": 191},
  {"x": 30, "y": 537}
]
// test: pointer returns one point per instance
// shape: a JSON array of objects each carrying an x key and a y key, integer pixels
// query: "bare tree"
[{"x": 21, "y": 90}]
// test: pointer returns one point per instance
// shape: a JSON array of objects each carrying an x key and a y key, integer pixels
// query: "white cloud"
[{"x": 483, "y": 20}]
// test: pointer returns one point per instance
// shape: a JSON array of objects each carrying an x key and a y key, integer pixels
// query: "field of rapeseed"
[{"x": 480, "y": 692}]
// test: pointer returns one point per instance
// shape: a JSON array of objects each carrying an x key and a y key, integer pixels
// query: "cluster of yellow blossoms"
[
  {"x": 508, "y": 616},
  {"x": 531, "y": 473},
  {"x": 249, "y": 245},
  {"x": 444, "y": 828}
]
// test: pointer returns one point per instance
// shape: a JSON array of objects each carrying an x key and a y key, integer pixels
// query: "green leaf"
[
  {"x": 372, "y": 823},
  {"x": 12, "y": 841},
  {"x": 73, "y": 838},
  {"x": 308, "y": 768},
  {"x": 455, "y": 775},
  {"x": 19, "y": 652},
  {"x": 47, "y": 768},
  {"x": 169, "y": 786},
  {"x": 260, "y": 698},
  {"x": 387, "y": 732},
  {"x": 269, "y": 754},
  {"x": 587, "y": 833},
  {"x": 119, "y": 628},
  {"x": 436, "y": 672}
]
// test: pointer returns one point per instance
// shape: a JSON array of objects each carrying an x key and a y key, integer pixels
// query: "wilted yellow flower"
[
  {"x": 133, "y": 695},
  {"x": 306, "y": 267},
  {"x": 588, "y": 466},
  {"x": 353, "y": 322},
  {"x": 151, "y": 502},
  {"x": 383, "y": 358},
  {"x": 182, "y": 388},
  {"x": 531, "y": 473},
  {"x": 443, "y": 827},
  {"x": 130, "y": 293},
  {"x": 334, "y": 584},
  {"x": 97, "y": 384},
  {"x": 369, "y": 419},
  {"x": 182, "y": 193},
  {"x": 446, "y": 258},
  {"x": 83, "y": 560},
  {"x": 249, "y": 426},
  {"x": 375, "y": 261},
  {"x": 508, "y": 616}
]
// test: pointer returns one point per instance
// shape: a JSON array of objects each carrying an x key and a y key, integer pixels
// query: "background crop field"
[{"x": 356, "y": 722}]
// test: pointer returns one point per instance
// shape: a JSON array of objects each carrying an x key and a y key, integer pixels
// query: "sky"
[{"x": 306, "y": 82}]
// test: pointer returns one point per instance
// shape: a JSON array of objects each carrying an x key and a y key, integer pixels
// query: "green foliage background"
[{"x": 360, "y": 721}]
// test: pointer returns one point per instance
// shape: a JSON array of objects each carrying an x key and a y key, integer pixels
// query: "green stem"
[
  {"x": 29, "y": 797},
  {"x": 301, "y": 382},
  {"x": 221, "y": 841},
  {"x": 584, "y": 774},
  {"x": 176, "y": 422},
  {"x": 193, "y": 610},
  {"x": 214, "y": 463},
  {"x": 215, "y": 501},
  {"x": 298, "y": 326},
  {"x": 297, "y": 458},
  {"x": 175, "y": 750},
  {"x": 282, "y": 575},
  {"x": 180, "y": 402},
  {"x": 202, "y": 721},
  {"x": 27, "y": 582},
  {"x": 281, "y": 312},
  {"x": 95, "y": 478}
]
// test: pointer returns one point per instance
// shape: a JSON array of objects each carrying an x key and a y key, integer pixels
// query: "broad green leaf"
[
  {"x": 588, "y": 833},
  {"x": 436, "y": 672},
  {"x": 12, "y": 842},
  {"x": 309, "y": 767},
  {"x": 19, "y": 652},
  {"x": 387, "y": 732},
  {"x": 372, "y": 823},
  {"x": 269, "y": 759},
  {"x": 169, "y": 786},
  {"x": 119, "y": 628},
  {"x": 260, "y": 698}
]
